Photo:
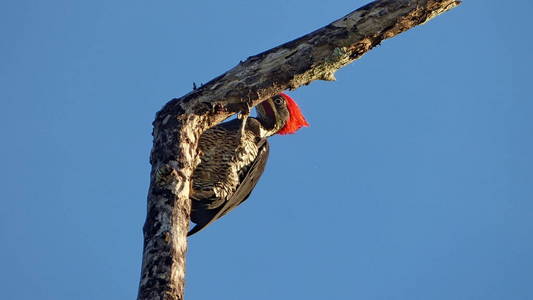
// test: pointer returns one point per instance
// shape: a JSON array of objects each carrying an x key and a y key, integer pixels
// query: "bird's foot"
[{"x": 245, "y": 113}]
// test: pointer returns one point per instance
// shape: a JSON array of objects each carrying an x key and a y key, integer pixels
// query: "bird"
[{"x": 233, "y": 156}]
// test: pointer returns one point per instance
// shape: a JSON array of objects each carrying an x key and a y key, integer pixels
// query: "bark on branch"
[{"x": 179, "y": 124}]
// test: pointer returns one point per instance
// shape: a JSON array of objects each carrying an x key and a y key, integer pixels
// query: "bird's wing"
[{"x": 250, "y": 179}]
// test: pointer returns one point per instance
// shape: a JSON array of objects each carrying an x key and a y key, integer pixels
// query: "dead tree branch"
[{"x": 179, "y": 124}]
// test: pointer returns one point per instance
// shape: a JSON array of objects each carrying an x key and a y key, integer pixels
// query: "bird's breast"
[{"x": 224, "y": 158}]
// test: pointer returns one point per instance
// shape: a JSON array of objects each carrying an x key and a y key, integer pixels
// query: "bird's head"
[{"x": 280, "y": 114}]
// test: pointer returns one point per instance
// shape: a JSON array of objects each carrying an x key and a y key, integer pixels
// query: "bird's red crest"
[{"x": 296, "y": 119}]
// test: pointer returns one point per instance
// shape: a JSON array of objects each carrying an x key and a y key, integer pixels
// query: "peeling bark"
[{"x": 179, "y": 124}]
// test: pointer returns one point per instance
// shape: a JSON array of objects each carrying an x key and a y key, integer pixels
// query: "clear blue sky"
[{"x": 414, "y": 181}]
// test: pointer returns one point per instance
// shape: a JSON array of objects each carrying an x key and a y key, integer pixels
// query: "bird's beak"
[
  {"x": 266, "y": 113},
  {"x": 265, "y": 109}
]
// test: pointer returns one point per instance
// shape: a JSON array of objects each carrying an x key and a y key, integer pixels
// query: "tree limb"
[{"x": 179, "y": 124}]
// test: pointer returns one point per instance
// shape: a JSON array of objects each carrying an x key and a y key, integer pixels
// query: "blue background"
[{"x": 414, "y": 180}]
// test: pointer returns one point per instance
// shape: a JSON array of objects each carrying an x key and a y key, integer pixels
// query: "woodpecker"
[{"x": 233, "y": 156}]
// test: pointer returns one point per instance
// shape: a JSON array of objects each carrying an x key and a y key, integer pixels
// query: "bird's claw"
[{"x": 245, "y": 113}]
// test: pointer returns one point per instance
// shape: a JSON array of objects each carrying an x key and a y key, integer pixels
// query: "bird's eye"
[{"x": 278, "y": 101}]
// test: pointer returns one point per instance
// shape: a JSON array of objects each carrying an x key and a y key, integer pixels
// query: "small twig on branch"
[{"x": 177, "y": 127}]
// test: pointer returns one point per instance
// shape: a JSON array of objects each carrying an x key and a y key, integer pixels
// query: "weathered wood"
[{"x": 177, "y": 127}]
